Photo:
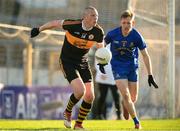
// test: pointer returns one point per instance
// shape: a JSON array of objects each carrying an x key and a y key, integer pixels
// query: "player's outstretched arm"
[
  {"x": 50, "y": 25},
  {"x": 147, "y": 62}
]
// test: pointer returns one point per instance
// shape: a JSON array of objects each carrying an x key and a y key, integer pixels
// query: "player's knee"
[
  {"x": 134, "y": 99},
  {"x": 89, "y": 97},
  {"x": 126, "y": 97},
  {"x": 79, "y": 94}
]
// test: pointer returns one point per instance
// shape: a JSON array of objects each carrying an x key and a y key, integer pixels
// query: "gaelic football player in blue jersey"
[{"x": 125, "y": 42}]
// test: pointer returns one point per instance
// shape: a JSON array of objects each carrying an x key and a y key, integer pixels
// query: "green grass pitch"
[{"x": 90, "y": 125}]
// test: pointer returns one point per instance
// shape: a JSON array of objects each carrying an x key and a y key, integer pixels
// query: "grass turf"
[{"x": 90, "y": 125}]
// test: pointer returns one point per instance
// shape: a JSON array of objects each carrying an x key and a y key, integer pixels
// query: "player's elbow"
[{"x": 55, "y": 24}]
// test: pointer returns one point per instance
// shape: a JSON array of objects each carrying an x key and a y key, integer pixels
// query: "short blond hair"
[
  {"x": 87, "y": 9},
  {"x": 127, "y": 13}
]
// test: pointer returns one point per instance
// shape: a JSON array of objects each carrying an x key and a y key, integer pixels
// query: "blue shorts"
[{"x": 130, "y": 75}]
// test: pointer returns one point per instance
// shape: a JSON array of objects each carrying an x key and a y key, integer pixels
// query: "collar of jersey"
[{"x": 84, "y": 28}]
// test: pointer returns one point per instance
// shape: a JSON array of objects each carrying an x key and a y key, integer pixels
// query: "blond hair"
[
  {"x": 87, "y": 9},
  {"x": 127, "y": 13}
]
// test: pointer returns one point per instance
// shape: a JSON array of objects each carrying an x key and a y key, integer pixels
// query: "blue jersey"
[{"x": 125, "y": 48}]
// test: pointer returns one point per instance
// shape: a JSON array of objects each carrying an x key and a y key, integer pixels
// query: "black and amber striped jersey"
[{"x": 77, "y": 41}]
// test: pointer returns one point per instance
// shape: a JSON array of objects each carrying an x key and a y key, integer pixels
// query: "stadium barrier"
[{"x": 21, "y": 102}]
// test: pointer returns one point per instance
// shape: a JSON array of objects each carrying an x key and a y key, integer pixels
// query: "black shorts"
[{"x": 72, "y": 71}]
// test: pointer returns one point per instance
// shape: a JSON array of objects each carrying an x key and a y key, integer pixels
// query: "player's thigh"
[
  {"x": 85, "y": 72},
  {"x": 122, "y": 85},
  {"x": 69, "y": 70},
  {"x": 71, "y": 74},
  {"x": 133, "y": 84},
  {"x": 86, "y": 76},
  {"x": 133, "y": 75},
  {"x": 133, "y": 88}
]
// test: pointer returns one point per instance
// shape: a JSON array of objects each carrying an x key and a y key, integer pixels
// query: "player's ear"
[{"x": 133, "y": 23}]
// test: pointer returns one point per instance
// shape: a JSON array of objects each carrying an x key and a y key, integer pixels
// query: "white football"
[{"x": 103, "y": 55}]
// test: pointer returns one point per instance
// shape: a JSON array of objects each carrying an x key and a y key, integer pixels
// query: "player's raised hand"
[
  {"x": 151, "y": 81},
  {"x": 34, "y": 32}
]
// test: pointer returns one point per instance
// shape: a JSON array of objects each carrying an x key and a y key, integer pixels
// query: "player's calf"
[{"x": 125, "y": 112}]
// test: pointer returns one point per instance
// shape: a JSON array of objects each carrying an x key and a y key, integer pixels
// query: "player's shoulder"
[
  {"x": 72, "y": 21},
  {"x": 98, "y": 27},
  {"x": 114, "y": 31},
  {"x": 136, "y": 33}
]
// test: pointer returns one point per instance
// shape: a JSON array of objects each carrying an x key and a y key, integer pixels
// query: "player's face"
[
  {"x": 126, "y": 25},
  {"x": 92, "y": 18}
]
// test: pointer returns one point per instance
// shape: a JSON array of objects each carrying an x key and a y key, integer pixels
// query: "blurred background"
[{"x": 35, "y": 63}]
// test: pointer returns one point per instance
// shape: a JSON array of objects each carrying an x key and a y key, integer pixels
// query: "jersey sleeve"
[
  {"x": 101, "y": 37},
  {"x": 141, "y": 42},
  {"x": 107, "y": 38},
  {"x": 100, "y": 33},
  {"x": 68, "y": 23}
]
